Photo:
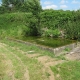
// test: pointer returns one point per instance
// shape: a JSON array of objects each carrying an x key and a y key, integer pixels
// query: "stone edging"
[{"x": 54, "y": 50}]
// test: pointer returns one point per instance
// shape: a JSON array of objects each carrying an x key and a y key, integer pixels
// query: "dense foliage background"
[{"x": 27, "y": 18}]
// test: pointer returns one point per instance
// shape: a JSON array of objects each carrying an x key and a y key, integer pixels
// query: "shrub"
[{"x": 52, "y": 33}]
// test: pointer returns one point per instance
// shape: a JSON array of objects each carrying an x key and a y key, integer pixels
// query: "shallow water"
[{"x": 50, "y": 42}]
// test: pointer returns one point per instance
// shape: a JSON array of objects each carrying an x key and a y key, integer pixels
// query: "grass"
[
  {"x": 16, "y": 52},
  {"x": 17, "y": 68},
  {"x": 67, "y": 71},
  {"x": 20, "y": 61},
  {"x": 32, "y": 64},
  {"x": 27, "y": 48},
  {"x": 2, "y": 67},
  {"x": 60, "y": 57}
]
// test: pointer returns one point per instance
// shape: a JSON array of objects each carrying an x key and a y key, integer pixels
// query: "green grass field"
[{"x": 26, "y": 62}]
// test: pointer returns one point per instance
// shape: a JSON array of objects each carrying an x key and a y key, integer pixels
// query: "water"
[{"x": 50, "y": 42}]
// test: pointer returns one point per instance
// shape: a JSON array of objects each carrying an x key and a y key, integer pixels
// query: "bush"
[
  {"x": 52, "y": 33},
  {"x": 33, "y": 27},
  {"x": 73, "y": 30}
]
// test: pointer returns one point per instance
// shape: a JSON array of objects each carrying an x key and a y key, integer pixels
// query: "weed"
[{"x": 47, "y": 74}]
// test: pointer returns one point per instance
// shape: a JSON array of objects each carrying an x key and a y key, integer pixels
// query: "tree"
[
  {"x": 12, "y": 3},
  {"x": 35, "y": 8}
]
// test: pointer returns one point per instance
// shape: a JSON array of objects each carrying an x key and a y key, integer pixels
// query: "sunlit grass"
[
  {"x": 34, "y": 67},
  {"x": 24, "y": 47},
  {"x": 67, "y": 71},
  {"x": 2, "y": 67}
]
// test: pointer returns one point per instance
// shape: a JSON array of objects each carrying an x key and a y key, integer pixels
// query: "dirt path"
[
  {"x": 74, "y": 54},
  {"x": 47, "y": 62}
]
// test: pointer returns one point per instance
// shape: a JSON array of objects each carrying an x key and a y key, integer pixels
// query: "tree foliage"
[
  {"x": 35, "y": 8},
  {"x": 10, "y": 4},
  {"x": 14, "y": 2}
]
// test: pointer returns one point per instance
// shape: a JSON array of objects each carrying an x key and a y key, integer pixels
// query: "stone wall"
[{"x": 64, "y": 48}]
